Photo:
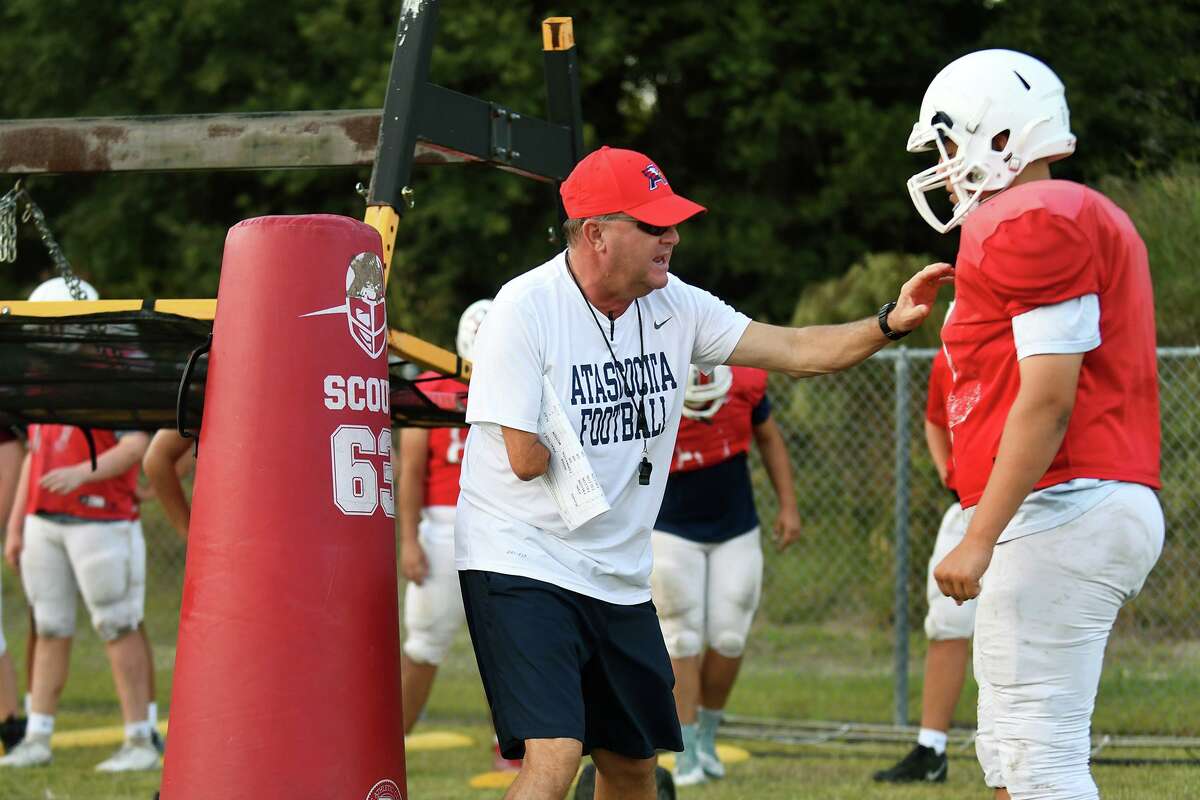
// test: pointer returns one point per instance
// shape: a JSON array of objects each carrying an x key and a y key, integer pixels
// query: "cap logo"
[{"x": 654, "y": 176}]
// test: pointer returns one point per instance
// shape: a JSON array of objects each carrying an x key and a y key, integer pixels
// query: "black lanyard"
[{"x": 645, "y": 467}]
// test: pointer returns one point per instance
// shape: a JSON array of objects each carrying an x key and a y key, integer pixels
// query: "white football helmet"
[
  {"x": 704, "y": 395},
  {"x": 57, "y": 289},
  {"x": 970, "y": 102},
  {"x": 468, "y": 327}
]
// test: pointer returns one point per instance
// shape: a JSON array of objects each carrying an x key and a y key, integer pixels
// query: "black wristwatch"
[{"x": 883, "y": 326}]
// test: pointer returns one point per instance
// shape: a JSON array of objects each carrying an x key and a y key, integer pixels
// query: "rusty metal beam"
[
  {"x": 276, "y": 140},
  {"x": 187, "y": 142},
  {"x": 269, "y": 140}
]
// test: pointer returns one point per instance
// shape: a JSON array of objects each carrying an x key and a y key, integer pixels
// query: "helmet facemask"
[{"x": 967, "y": 180}]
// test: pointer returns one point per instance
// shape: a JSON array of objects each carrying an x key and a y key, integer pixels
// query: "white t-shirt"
[
  {"x": 1072, "y": 326},
  {"x": 541, "y": 324}
]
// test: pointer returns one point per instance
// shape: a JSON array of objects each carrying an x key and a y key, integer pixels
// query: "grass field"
[{"x": 801, "y": 672}]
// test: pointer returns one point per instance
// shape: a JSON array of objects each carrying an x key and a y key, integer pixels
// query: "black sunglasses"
[
  {"x": 653, "y": 230},
  {"x": 646, "y": 227}
]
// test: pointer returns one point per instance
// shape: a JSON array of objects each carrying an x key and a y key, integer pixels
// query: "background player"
[
  {"x": 1054, "y": 413},
  {"x": 708, "y": 563},
  {"x": 12, "y": 727},
  {"x": 167, "y": 461},
  {"x": 74, "y": 528},
  {"x": 948, "y": 625},
  {"x": 430, "y": 462}
]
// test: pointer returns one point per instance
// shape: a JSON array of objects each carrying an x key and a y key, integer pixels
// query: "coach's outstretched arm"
[{"x": 821, "y": 349}]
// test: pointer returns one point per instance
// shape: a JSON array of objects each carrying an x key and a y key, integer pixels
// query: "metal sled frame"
[{"x": 420, "y": 123}]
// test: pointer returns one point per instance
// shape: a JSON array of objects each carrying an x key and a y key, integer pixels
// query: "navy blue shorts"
[{"x": 559, "y": 664}]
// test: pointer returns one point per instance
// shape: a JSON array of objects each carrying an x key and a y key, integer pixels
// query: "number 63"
[{"x": 356, "y": 484}]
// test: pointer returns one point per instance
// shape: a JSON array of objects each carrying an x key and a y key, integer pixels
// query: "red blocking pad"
[{"x": 287, "y": 670}]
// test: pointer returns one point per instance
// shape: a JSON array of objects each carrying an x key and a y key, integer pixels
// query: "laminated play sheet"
[{"x": 570, "y": 479}]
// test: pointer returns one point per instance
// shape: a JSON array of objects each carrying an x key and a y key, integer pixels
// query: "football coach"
[{"x": 565, "y": 634}]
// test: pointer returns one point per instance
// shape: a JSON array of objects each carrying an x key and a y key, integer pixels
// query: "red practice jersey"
[
  {"x": 707, "y": 442},
  {"x": 1038, "y": 244},
  {"x": 940, "y": 383},
  {"x": 444, "y": 464},
  {"x": 55, "y": 446}
]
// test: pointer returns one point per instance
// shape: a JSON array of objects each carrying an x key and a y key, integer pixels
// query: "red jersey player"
[
  {"x": 708, "y": 563},
  {"x": 74, "y": 530},
  {"x": 948, "y": 624},
  {"x": 1053, "y": 413},
  {"x": 430, "y": 462}
]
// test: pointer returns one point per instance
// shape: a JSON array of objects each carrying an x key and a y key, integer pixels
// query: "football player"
[
  {"x": 74, "y": 529},
  {"x": 948, "y": 625},
  {"x": 12, "y": 727},
  {"x": 1053, "y": 413},
  {"x": 708, "y": 562},
  {"x": 430, "y": 461}
]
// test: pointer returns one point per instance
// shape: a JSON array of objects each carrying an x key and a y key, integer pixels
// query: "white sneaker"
[
  {"x": 136, "y": 754},
  {"x": 33, "y": 751},
  {"x": 688, "y": 771},
  {"x": 710, "y": 762}
]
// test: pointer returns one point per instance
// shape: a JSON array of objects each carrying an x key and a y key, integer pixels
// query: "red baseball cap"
[{"x": 611, "y": 181}]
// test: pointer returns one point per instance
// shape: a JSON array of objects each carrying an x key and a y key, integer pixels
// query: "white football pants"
[
  {"x": 103, "y": 561},
  {"x": 1048, "y": 603},
  {"x": 706, "y": 593},
  {"x": 945, "y": 618},
  {"x": 433, "y": 611}
]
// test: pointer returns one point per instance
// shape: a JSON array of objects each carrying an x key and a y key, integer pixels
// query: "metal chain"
[
  {"x": 8, "y": 226},
  {"x": 8, "y": 236}
]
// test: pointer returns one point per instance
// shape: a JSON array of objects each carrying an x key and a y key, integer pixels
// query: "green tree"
[{"x": 787, "y": 120}]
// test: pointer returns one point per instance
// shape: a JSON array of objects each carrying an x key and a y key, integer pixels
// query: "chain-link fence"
[
  {"x": 839, "y": 633},
  {"x": 871, "y": 503}
]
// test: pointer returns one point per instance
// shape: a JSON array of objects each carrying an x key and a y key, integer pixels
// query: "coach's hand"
[
  {"x": 918, "y": 295},
  {"x": 413, "y": 562},
  {"x": 959, "y": 572}
]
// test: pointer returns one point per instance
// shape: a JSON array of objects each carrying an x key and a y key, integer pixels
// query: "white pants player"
[
  {"x": 103, "y": 561},
  {"x": 706, "y": 593},
  {"x": 433, "y": 611},
  {"x": 945, "y": 618},
  {"x": 1047, "y": 605}
]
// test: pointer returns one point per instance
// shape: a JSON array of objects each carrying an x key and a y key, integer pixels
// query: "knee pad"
[
  {"x": 677, "y": 583},
  {"x": 53, "y": 609},
  {"x": 427, "y": 645},
  {"x": 54, "y": 623},
  {"x": 989, "y": 762},
  {"x": 729, "y": 644},
  {"x": 734, "y": 589},
  {"x": 113, "y": 622},
  {"x": 946, "y": 619},
  {"x": 682, "y": 642},
  {"x": 729, "y": 625}
]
